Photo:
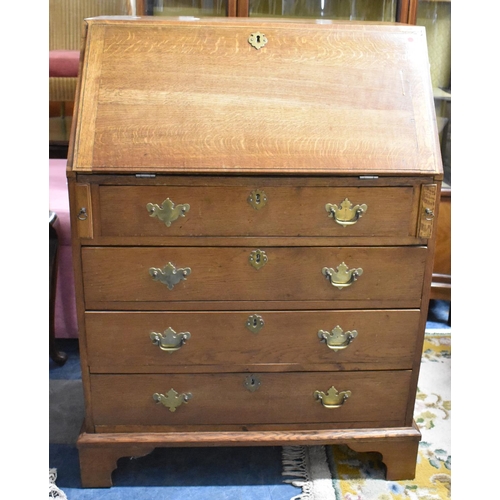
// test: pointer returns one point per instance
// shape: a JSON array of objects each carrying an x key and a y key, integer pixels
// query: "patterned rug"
[{"x": 360, "y": 476}]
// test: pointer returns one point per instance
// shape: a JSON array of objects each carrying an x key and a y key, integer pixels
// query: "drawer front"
[
  {"x": 122, "y": 274},
  {"x": 130, "y": 342},
  {"x": 226, "y": 398},
  {"x": 247, "y": 211}
]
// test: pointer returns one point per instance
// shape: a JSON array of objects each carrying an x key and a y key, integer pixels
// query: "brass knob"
[
  {"x": 342, "y": 276},
  {"x": 333, "y": 398},
  {"x": 346, "y": 214},
  {"x": 337, "y": 340},
  {"x": 169, "y": 341}
]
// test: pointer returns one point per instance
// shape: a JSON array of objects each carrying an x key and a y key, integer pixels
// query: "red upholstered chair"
[{"x": 65, "y": 29}]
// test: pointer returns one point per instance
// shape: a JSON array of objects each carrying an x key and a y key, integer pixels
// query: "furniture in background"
[
  {"x": 253, "y": 224},
  {"x": 441, "y": 276},
  {"x": 403, "y": 11},
  {"x": 64, "y": 321},
  {"x": 435, "y": 16},
  {"x": 57, "y": 356},
  {"x": 65, "y": 30},
  {"x": 65, "y": 34}
]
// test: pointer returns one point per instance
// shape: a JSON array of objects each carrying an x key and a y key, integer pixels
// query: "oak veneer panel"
[
  {"x": 120, "y": 342},
  {"x": 223, "y": 398},
  {"x": 122, "y": 274},
  {"x": 331, "y": 98},
  {"x": 289, "y": 211}
]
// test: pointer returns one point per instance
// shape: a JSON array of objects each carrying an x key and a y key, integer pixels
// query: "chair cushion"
[
  {"x": 58, "y": 199},
  {"x": 64, "y": 63}
]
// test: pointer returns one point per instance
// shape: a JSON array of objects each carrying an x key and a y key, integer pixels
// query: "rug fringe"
[
  {"x": 309, "y": 469},
  {"x": 54, "y": 491}
]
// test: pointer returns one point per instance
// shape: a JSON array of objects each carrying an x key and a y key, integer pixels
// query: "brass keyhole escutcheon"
[
  {"x": 258, "y": 259},
  {"x": 255, "y": 323},
  {"x": 257, "y": 40},
  {"x": 258, "y": 199},
  {"x": 252, "y": 383}
]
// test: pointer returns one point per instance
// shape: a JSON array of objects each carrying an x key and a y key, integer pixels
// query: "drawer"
[
  {"x": 276, "y": 211},
  {"x": 128, "y": 342},
  {"x": 131, "y": 274},
  {"x": 242, "y": 398}
]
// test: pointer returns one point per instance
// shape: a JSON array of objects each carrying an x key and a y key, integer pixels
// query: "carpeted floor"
[{"x": 245, "y": 473}]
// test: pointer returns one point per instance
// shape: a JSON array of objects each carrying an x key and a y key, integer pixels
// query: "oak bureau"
[{"x": 253, "y": 205}]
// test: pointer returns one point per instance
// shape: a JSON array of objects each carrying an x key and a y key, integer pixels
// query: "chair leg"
[{"x": 57, "y": 356}]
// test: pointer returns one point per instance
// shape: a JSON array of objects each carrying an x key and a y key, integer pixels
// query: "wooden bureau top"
[{"x": 165, "y": 95}]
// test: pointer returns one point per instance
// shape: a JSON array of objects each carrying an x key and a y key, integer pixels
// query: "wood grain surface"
[
  {"x": 176, "y": 96},
  {"x": 119, "y": 342},
  {"x": 119, "y": 274}
]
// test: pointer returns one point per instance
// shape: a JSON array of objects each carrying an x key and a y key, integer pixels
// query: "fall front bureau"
[{"x": 253, "y": 235}]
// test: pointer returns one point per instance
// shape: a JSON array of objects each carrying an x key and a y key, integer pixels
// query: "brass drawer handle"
[
  {"x": 82, "y": 214},
  {"x": 337, "y": 340},
  {"x": 333, "y": 398},
  {"x": 342, "y": 276},
  {"x": 429, "y": 214},
  {"x": 169, "y": 340},
  {"x": 169, "y": 275},
  {"x": 168, "y": 212},
  {"x": 346, "y": 214},
  {"x": 172, "y": 400}
]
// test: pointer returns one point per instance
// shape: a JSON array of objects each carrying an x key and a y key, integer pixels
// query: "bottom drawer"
[{"x": 241, "y": 398}]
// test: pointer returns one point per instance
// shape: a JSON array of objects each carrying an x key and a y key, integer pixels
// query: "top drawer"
[{"x": 151, "y": 211}]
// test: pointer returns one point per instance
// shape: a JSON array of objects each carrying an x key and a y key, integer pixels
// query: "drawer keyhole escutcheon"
[
  {"x": 346, "y": 214},
  {"x": 172, "y": 400},
  {"x": 258, "y": 259},
  {"x": 252, "y": 383},
  {"x": 337, "y": 339},
  {"x": 169, "y": 275},
  {"x": 169, "y": 341},
  {"x": 332, "y": 398},
  {"x": 342, "y": 276},
  {"x": 255, "y": 323},
  {"x": 168, "y": 212},
  {"x": 257, "y": 40},
  {"x": 257, "y": 199}
]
